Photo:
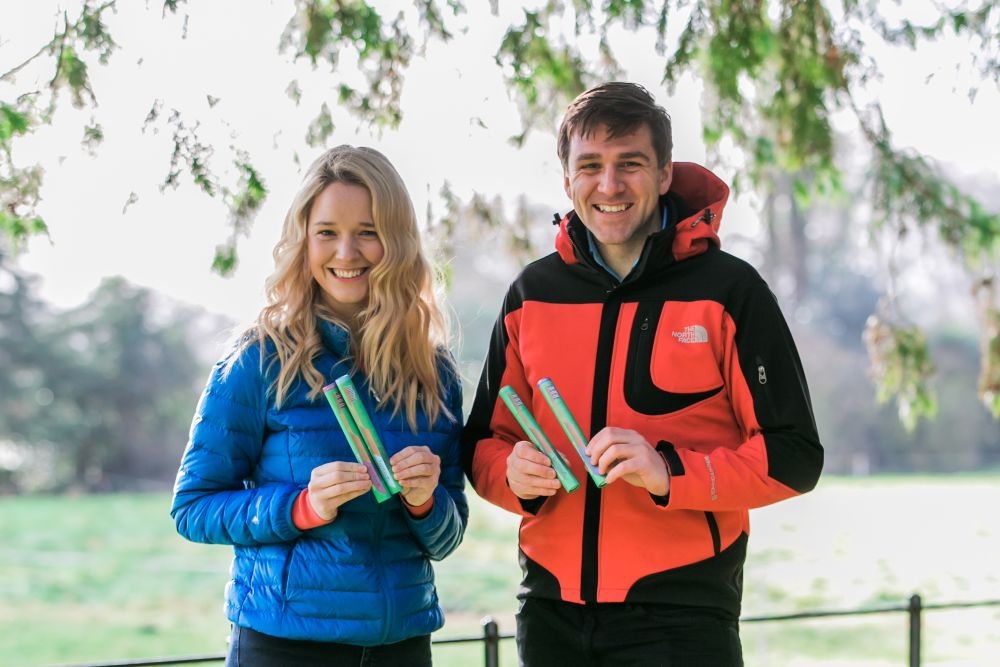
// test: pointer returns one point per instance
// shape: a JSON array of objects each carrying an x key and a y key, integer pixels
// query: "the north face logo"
[{"x": 695, "y": 334}]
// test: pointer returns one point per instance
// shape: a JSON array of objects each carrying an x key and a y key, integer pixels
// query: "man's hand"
[
  {"x": 530, "y": 473},
  {"x": 417, "y": 469},
  {"x": 333, "y": 484},
  {"x": 621, "y": 453}
]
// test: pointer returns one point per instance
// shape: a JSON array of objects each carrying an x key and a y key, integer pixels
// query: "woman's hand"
[
  {"x": 333, "y": 484},
  {"x": 417, "y": 469}
]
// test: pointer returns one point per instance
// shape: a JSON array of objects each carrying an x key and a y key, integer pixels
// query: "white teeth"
[
  {"x": 341, "y": 273},
  {"x": 604, "y": 208}
]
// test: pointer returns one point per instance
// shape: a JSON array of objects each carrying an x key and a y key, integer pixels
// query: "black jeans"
[
  {"x": 553, "y": 632},
  {"x": 249, "y": 648}
]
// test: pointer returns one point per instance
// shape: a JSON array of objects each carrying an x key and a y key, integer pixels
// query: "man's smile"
[{"x": 612, "y": 208}]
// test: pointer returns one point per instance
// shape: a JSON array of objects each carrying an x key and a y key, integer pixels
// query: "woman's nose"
[{"x": 347, "y": 248}]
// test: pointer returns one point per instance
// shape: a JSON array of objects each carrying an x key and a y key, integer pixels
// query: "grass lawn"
[{"x": 107, "y": 578}]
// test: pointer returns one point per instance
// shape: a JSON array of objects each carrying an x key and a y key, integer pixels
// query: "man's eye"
[{"x": 588, "y": 167}]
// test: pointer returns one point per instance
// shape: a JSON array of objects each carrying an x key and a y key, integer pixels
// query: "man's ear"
[
  {"x": 666, "y": 177},
  {"x": 569, "y": 193}
]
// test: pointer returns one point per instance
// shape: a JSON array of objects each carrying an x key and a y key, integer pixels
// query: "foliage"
[
  {"x": 775, "y": 72},
  {"x": 74, "y": 41},
  {"x": 901, "y": 366},
  {"x": 100, "y": 390}
]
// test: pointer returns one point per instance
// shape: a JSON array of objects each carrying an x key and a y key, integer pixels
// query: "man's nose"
[{"x": 611, "y": 182}]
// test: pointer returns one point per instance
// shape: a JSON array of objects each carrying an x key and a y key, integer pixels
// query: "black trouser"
[
  {"x": 249, "y": 648},
  {"x": 553, "y": 632}
]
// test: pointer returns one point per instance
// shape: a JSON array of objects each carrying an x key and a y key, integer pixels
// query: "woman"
[{"x": 324, "y": 574}]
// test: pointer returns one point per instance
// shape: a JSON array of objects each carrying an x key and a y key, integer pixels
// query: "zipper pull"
[
  {"x": 645, "y": 325},
  {"x": 761, "y": 376}
]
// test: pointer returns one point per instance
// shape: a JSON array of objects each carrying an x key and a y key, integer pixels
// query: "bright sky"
[{"x": 166, "y": 241}]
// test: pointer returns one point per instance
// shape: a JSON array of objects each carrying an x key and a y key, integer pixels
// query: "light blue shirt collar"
[{"x": 600, "y": 260}]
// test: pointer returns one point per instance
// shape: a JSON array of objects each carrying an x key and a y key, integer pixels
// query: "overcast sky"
[{"x": 166, "y": 241}]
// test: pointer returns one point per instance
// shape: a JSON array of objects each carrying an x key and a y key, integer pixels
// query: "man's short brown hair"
[{"x": 623, "y": 108}]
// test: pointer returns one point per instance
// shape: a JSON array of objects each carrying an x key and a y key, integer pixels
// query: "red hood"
[{"x": 702, "y": 190}]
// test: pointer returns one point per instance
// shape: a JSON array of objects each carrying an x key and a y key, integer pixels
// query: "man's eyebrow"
[{"x": 621, "y": 156}]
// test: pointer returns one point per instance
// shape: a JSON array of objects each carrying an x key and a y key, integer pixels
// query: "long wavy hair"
[{"x": 402, "y": 335}]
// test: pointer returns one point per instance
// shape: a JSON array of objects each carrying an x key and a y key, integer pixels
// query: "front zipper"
[
  {"x": 640, "y": 350},
  {"x": 761, "y": 374},
  {"x": 284, "y": 574},
  {"x": 380, "y": 517}
]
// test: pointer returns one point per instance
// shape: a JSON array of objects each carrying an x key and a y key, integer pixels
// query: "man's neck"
[{"x": 621, "y": 258}]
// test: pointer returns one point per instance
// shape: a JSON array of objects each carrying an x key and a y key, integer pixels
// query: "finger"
[
  {"x": 618, "y": 453},
  {"x": 421, "y": 470},
  {"x": 522, "y": 490},
  {"x": 331, "y": 492},
  {"x": 534, "y": 469},
  {"x": 419, "y": 482},
  {"x": 533, "y": 480},
  {"x": 333, "y": 466},
  {"x": 338, "y": 477},
  {"x": 599, "y": 445},
  {"x": 609, "y": 456},
  {"x": 622, "y": 467},
  {"x": 414, "y": 459},
  {"x": 526, "y": 451},
  {"x": 346, "y": 497},
  {"x": 407, "y": 451}
]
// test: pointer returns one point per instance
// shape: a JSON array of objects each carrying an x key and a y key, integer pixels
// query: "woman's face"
[{"x": 343, "y": 246}]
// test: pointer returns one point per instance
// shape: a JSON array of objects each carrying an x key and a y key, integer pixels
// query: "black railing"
[{"x": 491, "y": 634}]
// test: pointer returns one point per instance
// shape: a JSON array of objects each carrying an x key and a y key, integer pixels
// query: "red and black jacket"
[{"x": 691, "y": 351}]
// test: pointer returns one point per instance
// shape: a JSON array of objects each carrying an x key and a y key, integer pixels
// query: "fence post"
[
  {"x": 915, "y": 608},
  {"x": 491, "y": 638}
]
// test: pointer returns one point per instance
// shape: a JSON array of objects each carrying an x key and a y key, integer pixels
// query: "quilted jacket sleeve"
[
  {"x": 211, "y": 502},
  {"x": 441, "y": 531}
]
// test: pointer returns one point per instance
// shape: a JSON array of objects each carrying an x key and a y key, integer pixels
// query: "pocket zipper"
[
  {"x": 639, "y": 349},
  {"x": 761, "y": 375}
]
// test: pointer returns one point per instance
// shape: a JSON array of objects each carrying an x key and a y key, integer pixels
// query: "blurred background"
[{"x": 149, "y": 151}]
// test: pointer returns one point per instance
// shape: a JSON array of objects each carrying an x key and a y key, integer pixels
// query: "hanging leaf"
[{"x": 901, "y": 366}]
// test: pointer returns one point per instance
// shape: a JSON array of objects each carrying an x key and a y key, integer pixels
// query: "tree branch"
[{"x": 56, "y": 38}]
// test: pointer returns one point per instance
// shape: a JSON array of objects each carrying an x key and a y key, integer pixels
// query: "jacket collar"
[
  {"x": 336, "y": 338},
  {"x": 703, "y": 192}
]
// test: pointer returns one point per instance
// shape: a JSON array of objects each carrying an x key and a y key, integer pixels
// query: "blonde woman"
[{"x": 323, "y": 574}]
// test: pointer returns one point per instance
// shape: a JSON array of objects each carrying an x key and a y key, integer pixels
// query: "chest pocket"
[{"x": 673, "y": 363}]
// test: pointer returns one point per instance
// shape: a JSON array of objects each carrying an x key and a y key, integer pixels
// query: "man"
[{"x": 677, "y": 364}]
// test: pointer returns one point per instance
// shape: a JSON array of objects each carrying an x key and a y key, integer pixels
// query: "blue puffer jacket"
[{"x": 365, "y": 578}]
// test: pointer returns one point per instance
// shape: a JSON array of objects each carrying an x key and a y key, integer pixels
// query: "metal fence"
[{"x": 491, "y": 634}]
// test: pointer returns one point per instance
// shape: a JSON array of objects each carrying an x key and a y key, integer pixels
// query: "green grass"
[{"x": 107, "y": 577}]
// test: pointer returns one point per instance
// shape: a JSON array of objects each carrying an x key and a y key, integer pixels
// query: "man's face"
[{"x": 616, "y": 185}]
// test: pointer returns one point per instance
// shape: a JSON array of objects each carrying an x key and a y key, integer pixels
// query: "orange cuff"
[
  {"x": 303, "y": 515},
  {"x": 420, "y": 511}
]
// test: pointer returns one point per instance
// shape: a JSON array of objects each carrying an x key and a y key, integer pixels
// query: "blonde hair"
[{"x": 403, "y": 333}]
